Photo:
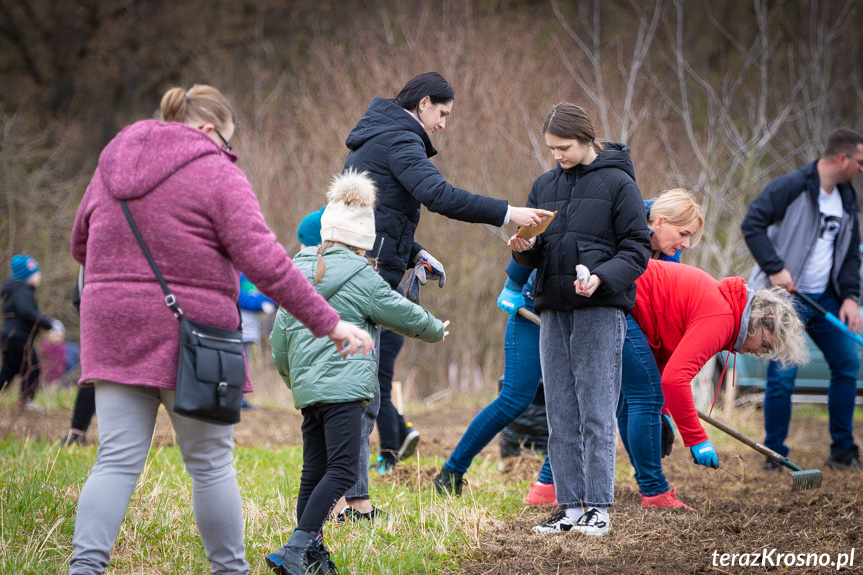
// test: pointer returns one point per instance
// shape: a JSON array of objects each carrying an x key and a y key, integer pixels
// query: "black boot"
[
  {"x": 449, "y": 482},
  {"x": 319, "y": 558},
  {"x": 293, "y": 559}
]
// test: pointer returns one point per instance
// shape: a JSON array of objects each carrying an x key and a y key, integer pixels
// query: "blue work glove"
[
  {"x": 510, "y": 300},
  {"x": 705, "y": 454},
  {"x": 667, "y": 435},
  {"x": 425, "y": 267}
]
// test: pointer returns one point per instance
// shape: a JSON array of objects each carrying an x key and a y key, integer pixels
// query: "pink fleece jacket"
[{"x": 201, "y": 220}]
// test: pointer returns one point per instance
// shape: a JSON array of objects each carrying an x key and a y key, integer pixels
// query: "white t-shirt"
[{"x": 816, "y": 274}]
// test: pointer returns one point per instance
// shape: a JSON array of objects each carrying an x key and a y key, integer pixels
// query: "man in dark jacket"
[
  {"x": 21, "y": 322},
  {"x": 803, "y": 232}
]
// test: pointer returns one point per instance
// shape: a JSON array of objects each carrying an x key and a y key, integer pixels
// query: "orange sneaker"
[
  {"x": 667, "y": 499},
  {"x": 540, "y": 494}
]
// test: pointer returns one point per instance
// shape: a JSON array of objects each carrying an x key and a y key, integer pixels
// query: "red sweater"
[{"x": 688, "y": 317}]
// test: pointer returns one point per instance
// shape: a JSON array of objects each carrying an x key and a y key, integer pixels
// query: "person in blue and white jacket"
[{"x": 804, "y": 233}]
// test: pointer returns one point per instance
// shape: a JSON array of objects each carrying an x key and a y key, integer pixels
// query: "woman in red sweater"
[{"x": 688, "y": 317}]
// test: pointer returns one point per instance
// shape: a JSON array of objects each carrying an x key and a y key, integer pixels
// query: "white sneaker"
[
  {"x": 32, "y": 406},
  {"x": 559, "y": 523},
  {"x": 593, "y": 523}
]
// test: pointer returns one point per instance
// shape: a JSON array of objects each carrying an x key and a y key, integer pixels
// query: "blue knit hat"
[
  {"x": 23, "y": 267},
  {"x": 309, "y": 231}
]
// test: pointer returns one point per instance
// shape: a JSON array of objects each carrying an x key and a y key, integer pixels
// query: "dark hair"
[
  {"x": 842, "y": 140},
  {"x": 430, "y": 84},
  {"x": 571, "y": 122}
]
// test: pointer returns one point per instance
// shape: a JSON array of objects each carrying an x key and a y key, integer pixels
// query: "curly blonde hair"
[{"x": 773, "y": 310}]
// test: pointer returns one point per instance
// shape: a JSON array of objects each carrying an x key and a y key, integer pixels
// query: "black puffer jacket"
[
  {"x": 395, "y": 149},
  {"x": 21, "y": 317},
  {"x": 600, "y": 223}
]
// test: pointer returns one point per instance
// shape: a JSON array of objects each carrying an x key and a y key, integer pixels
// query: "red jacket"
[{"x": 688, "y": 317}]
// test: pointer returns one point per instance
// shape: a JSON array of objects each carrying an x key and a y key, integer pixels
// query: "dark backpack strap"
[{"x": 170, "y": 299}]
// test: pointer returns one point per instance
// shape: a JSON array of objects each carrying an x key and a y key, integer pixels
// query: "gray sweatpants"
[
  {"x": 580, "y": 352},
  {"x": 127, "y": 417}
]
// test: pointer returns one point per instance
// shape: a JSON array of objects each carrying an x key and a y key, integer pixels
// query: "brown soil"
[{"x": 740, "y": 509}]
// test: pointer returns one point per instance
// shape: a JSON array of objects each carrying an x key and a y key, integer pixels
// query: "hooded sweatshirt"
[
  {"x": 315, "y": 372},
  {"x": 688, "y": 317},
  {"x": 201, "y": 220},
  {"x": 395, "y": 149}
]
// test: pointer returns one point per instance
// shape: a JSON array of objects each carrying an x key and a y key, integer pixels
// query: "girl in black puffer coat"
[{"x": 600, "y": 224}]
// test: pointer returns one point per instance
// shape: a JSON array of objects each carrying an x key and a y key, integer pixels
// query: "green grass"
[{"x": 422, "y": 533}]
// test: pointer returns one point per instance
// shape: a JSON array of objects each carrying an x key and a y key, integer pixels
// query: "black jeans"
[
  {"x": 391, "y": 425},
  {"x": 85, "y": 407},
  {"x": 331, "y": 448},
  {"x": 19, "y": 358}
]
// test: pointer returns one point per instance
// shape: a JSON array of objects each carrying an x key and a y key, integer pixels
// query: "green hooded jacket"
[{"x": 311, "y": 367}]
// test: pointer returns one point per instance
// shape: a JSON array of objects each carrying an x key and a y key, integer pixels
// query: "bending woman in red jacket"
[{"x": 688, "y": 317}]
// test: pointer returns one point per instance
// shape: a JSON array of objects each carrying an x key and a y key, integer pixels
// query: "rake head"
[{"x": 803, "y": 480}]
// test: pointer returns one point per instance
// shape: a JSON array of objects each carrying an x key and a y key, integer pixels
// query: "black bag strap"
[{"x": 170, "y": 298}]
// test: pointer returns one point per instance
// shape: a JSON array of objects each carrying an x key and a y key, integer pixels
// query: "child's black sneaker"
[
  {"x": 593, "y": 522},
  {"x": 75, "y": 437},
  {"x": 409, "y": 443},
  {"x": 559, "y": 523},
  {"x": 449, "y": 482}
]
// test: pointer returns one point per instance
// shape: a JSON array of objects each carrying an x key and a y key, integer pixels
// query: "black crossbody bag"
[{"x": 212, "y": 371}]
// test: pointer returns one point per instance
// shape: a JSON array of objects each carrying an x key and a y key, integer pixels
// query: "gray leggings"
[{"x": 127, "y": 417}]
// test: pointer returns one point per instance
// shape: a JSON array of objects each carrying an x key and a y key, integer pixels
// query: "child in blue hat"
[{"x": 22, "y": 321}]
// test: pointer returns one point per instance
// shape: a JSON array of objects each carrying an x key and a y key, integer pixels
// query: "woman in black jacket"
[
  {"x": 391, "y": 142},
  {"x": 601, "y": 225}
]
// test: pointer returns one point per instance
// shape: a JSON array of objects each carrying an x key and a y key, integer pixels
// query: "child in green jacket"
[{"x": 330, "y": 390}]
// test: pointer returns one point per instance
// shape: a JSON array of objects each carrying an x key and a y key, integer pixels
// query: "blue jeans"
[
  {"x": 545, "y": 474},
  {"x": 521, "y": 375},
  {"x": 841, "y": 355},
  {"x": 392, "y": 428},
  {"x": 360, "y": 490},
  {"x": 581, "y": 352},
  {"x": 639, "y": 411}
]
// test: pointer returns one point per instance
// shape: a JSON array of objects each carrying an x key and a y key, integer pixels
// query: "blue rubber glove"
[
  {"x": 705, "y": 454},
  {"x": 667, "y": 435},
  {"x": 510, "y": 300}
]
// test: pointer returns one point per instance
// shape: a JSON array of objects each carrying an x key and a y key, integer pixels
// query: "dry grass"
[{"x": 740, "y": 509}]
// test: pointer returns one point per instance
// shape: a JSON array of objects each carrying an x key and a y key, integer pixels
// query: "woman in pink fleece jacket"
[{"x": 200, "y": 218}]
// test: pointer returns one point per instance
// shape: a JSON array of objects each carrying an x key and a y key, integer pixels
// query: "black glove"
[{"x": 667, "y": 435}]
